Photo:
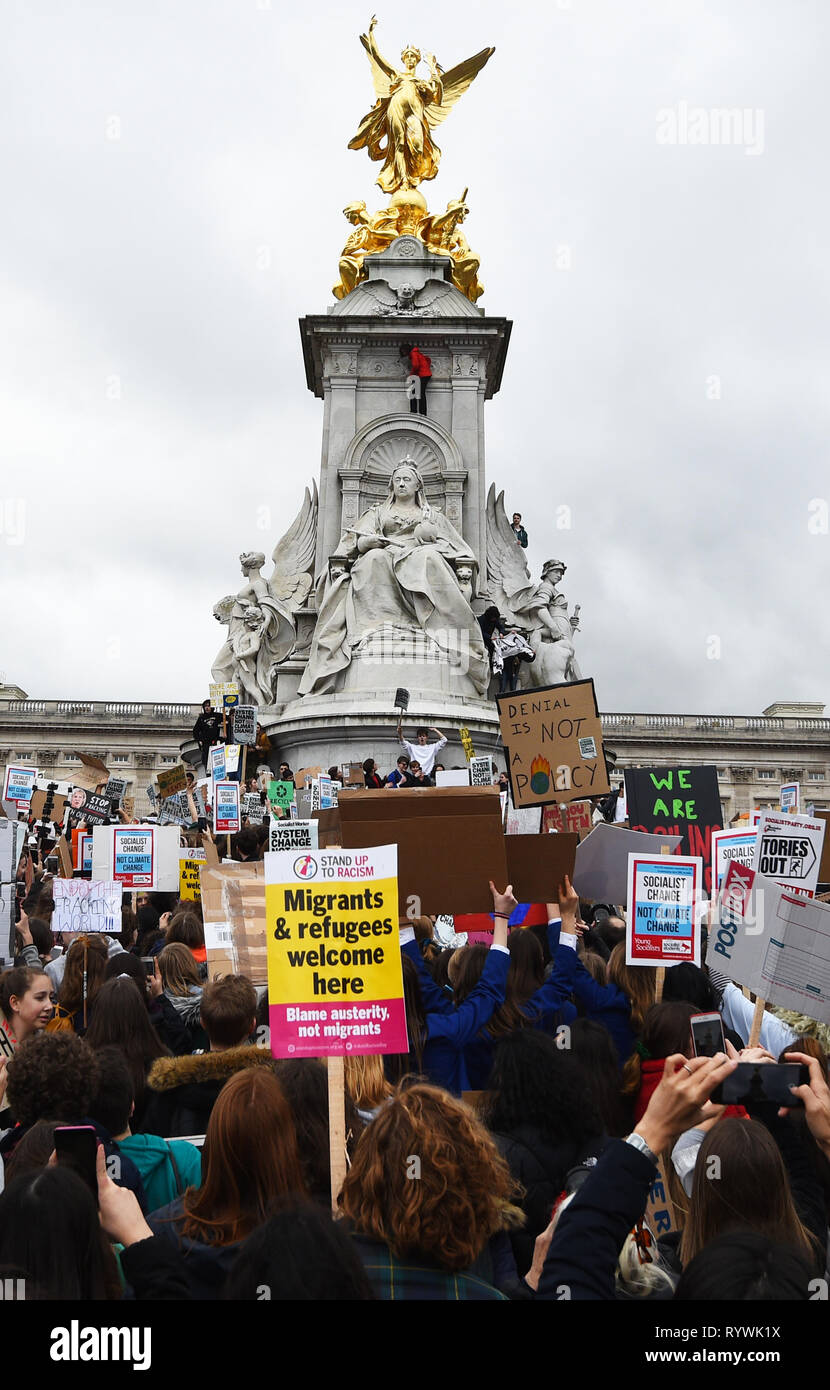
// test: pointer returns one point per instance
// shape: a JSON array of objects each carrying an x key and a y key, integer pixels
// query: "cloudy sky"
[{"x": 173, "y": 175}]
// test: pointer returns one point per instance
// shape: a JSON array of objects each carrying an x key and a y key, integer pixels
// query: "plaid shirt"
[{"x": 394, "y": 1280}]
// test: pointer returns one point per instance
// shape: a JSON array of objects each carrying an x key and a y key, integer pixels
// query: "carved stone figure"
[
  {"x": 538, "y": 610},
  {"x": 261, "y": 622},
  {"x": 372, "y": 233},
  {"x": 402, "y": 566},
  {"x": 398, "y": 128}
]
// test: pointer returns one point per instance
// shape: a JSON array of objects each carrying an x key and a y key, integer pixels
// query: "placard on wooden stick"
[{"x": 553, "y": 744}]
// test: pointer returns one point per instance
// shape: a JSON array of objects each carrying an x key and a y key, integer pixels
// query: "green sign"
[{"x": 281, "y": 794}]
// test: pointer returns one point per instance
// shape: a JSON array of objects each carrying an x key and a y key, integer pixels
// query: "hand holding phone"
[
  {"x": 707, "y": 1034},
  {"x": 76, "y": 1146}
]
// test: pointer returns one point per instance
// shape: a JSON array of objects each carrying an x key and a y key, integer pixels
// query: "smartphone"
[
  {"x": 77, "y": 1147},
  {"x": 755, "y": 1082},
  {"x": 149, "y": 963},
  {"x": 707, "y": 1034},
  {"x": 51, "y": 864}
]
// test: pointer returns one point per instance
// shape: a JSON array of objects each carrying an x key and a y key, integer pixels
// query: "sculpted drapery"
[{"x": 401, "y": 566}]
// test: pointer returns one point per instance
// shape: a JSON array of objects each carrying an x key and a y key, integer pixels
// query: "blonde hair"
[{"x": 366, "y": 1082}]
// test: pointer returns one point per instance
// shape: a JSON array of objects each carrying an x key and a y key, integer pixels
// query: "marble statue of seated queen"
[{"x": 402, "y": 565}]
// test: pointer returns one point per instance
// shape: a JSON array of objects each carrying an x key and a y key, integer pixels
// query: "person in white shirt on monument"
[{"x": 423, "y": 751}]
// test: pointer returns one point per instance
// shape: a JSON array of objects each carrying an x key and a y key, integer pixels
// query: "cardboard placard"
[
  {"x": 190, "y": 867},
  {"x": 788, "y": 850},
  {"x": 824, "y": 865},
  {"x": 115, "y": 789},
  {"x": 91, "y": 774},
  {"x": 450, "y": 842},
  {"x": 663, "y": 909},
  {"x": 553, "y": 744},
  {"x": 481, "y": 771},
  {"x": 253, "y": 807},
  {"x": 352, "y": 774},
  {"x": 281, "y": 793},
  {"x": 19, "y": 783},
  {"x": 83, "y": 906},
  {"x": 454, "y": 777},
  {"x": 681, "y": 801},
  {"x": 293, "y": 835},
  {"x": 216, "y": 762},
  {"x": 576, "y": 818},
  {"x": 326, "y": 798},
  {"x": 728, "y": 845},
  {"x": 226, "y": 808},
  {"x": 790, "y": 798},
  {"x": 244, "y": 724},
  {"x": 233, "y": 908},
  {"x": 537, "y": 864},
  {"x": 467, "y": 743},
  {"x": 335, "y": 981},
  {"x": 172, "y": 781},
  {"x": 85, "y": 805},
  {"x": 774, "y": 941},
  {"x": 49, "y": 800},
  {"x": 601, "y": 868}
]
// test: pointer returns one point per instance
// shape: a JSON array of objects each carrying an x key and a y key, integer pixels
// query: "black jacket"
[
  {"x": 208, "y": 728},
  {"x": 183, "y": 1090},
  {"x": 541, "y": 1167}
]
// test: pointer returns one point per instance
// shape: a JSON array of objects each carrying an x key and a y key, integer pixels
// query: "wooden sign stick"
[
  {"x": 757, "y": 1020},
  {"x": 337, "y": 1127}
]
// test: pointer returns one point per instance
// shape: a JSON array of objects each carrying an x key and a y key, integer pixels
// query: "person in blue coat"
[{"x": 441, "y": 1035}]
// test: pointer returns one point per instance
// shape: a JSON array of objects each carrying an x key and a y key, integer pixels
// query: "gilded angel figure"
[{"x": 398, "y": 127}]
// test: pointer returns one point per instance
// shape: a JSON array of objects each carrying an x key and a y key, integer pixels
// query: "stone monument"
[{"x": 381, "y": 578}]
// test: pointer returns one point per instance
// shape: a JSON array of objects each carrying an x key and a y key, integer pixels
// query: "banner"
[
  {"x": 115, "y": 789},
  {"x": 553, "y": 744},
  {"x": 681, "y": 801},
  {"x": 576, "y": 818},
  {"x": 226, "y": 808},
  {"x": 190, "y": 863},
  {"x": 19, "y": 783},
  {"x": 788, "y": 850},
  {"x": 335, "y": 982},
  {"x": 663, "y": 909},
  {"x": 284, "y": 835},
  {"x": 82, "y": 906},
  {"x": 133, "y": 856},
  {"x": 728, "y": 845},
  {"x": 774, "y": 941},
  {"x": 244, "y": 724}
]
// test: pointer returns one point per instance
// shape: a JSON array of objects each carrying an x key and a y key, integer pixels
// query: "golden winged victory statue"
[{"x": 397, "y": 129}]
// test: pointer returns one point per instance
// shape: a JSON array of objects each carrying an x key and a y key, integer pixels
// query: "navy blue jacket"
[{"x": 448, "y": 1033}]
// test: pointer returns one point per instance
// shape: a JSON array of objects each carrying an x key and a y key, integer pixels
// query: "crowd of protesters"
[{"x": 212, "y": 1162}]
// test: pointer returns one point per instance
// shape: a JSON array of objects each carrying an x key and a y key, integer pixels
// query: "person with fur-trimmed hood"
[{"x": 183, "y": 1090}]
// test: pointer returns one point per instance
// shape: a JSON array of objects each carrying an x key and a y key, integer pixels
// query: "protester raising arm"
[{"x": 583, "y": 1254}]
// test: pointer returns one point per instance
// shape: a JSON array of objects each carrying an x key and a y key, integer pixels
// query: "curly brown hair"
[
  {"x": 446, "y": 1208},
  {"x": 52, "y": 1075}
]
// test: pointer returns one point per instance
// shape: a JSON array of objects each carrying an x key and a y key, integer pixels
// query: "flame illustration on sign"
[{"x": 540, "y": 779}]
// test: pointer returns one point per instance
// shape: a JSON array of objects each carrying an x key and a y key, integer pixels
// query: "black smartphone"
[
  {"x": 77, "y": 1147},
  {"x": 149, "y": 963},
  {"x": 707, "y": 1034},
  {"x": 762, "y": 1082},
  {"x": 51, "y": 864}
]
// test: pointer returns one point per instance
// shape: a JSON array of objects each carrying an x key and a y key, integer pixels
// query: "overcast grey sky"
[{"x": 173, "y": 175}]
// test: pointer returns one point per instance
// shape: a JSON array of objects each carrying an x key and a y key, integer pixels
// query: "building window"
[
  {"x": 120, "y": 757},
  {"x": 766, "y": 773},
  {"x": 167, "y": 759},
  {"x": 30, "y": 757},
  {"x": 811, "y": 776},
  {"x": 71, "y": 758}
]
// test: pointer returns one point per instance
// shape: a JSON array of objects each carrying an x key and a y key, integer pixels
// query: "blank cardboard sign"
[
  {"x": 537, "y": 864},
  {"x": 449, "y": 839}
]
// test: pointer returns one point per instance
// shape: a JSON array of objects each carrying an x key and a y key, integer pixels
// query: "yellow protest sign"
[
  {"x": 335, "y": 983},
  {"x": 190, "y": 862}
]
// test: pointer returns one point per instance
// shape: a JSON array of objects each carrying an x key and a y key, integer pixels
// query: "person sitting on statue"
[
  {"x": 423, "y": 752},
  {"x": 420, "y": 366}
]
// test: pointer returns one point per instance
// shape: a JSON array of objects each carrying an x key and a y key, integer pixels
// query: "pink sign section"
[{"x": 338, "y": 1030}]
